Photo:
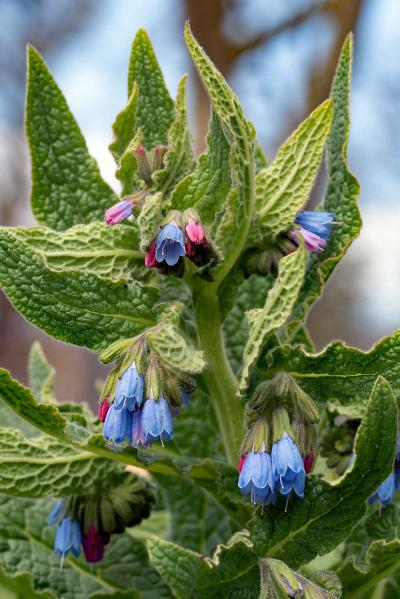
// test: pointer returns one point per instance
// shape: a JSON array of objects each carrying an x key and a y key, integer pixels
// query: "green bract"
[{"x": 212, "y": 324}]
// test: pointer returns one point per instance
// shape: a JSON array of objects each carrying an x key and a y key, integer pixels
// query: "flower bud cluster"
[
  {"x": 87, "y": 521},
  {"x": 279, "y": 448},
  {"x": 140, "y": 397}
]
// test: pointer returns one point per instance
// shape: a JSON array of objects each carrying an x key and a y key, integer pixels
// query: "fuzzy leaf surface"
[
  {"x": 174, "y": 350},
  {"x": 20, "y": 585},
  {"x": 276, "y": 310},
  {"x": 325, "y": 517},
  {"x": 149, "y": 219},
  {"x": 40, "y": 374},
  {"x": 67, "y": 188},
  {"x": 124, "y": 126},
  {"x": 75, "y": 307},
  {"x": 283, "y": 187}
]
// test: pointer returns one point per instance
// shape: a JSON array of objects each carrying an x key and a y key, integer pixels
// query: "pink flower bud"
[
  {"x": 103, "y": 409},
  {"x": 308, "y": 462},
  {"x": 117, "y": 213},
  {"x": 242, "y": 460},
  {"x": 150, "y": 257},
  {"x": 195, "y": 232},
  {"x": 189, "y": 248}
]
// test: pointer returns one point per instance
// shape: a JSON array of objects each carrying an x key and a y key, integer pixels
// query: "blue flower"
[
  {"x": 385, "y": 492},
  {"x": 68, "y": 538},
  {"x": 185, "y": 397},
  {"x": 138, "y": 436},
  {"x": 118, "y": 425},
  {"x": 256, "y": 477},
  {"x": 319, "y": 223},
  {"x": 129, "y": 391},
  {"x": 169, "y": 244},
  {"x": 288, "y": 466},
  {"x": 55, "y": 513},
  {"x": 157, "y": 420}
]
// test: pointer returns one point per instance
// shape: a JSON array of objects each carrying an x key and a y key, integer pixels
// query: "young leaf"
[
  {"x": 42, "y": 467},
  {"x": 341, "y": 194},
  {"x": 178, "y": 161},
  {"x": 155, "y": 109},
  {"x": 342, "y": 374},
  {"x": 75, "y": 307},
  {"x": 174, "y": 350},
  {"x": 149, "y": 219},
  {"x": 67, "y": 188},
  {"x": 277, "y": 309},
  {"x": 124, "y": 127},
  {"x": 40, "y": 375},
  {"x": 109, "y": 252},
  {"x": 283, "y": 187},
  {"x": 325, "y": 517}
]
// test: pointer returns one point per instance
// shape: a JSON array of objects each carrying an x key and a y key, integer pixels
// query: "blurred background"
[{"x": 279, "y": 57}]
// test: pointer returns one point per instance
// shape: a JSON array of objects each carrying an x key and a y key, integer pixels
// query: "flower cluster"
[
  {"x": 277, "y": 452},
  {"x": 386, "y": 491},
  {"x": 314, "y": 228},
  {"x": 140, "y": 398},
  {"x": 87, "y": 521}
]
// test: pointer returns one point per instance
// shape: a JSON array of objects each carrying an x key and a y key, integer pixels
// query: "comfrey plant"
[{"x": 262, "y": 469}]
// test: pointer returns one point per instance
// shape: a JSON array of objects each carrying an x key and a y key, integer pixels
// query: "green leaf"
[
  {"x": 109, "y": 252},
  {"x": 42, "y": 466},
  {"x": 173, "y": 349},
  {"x": 260, "y": 157},
  {"x": 341, "y": 194},
  {"x": 325, "y": 517},
  {"x": 235, "y": 223},
  {"x": 27, "y": 543},
  {"x": 282, "y": 188},
  {"x": 127, "y": 169},
  {"x": 155, "y": 109},
  {"x": 149, "y": 219},
  {"x": 276, "y": 310},
  {"x": 40, "y": 375},
  {"x": 20, "y": 585},
  {"x": 178, "y": 160},
  {"x": 67, "y": 188},
  {"x": 124, "y": 127},
  {"x": 75, "y": 307},
  {"x": 341, "y": 374},
  {"x": 207, "y": 188}
]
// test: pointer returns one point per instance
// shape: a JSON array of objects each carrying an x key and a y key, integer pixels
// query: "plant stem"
[{"x": 218, "y": 376}]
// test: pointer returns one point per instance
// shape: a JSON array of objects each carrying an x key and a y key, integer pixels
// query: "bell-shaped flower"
[
  {"x": 150, "y": 257},
  {"x": 138, "y": 436},
  {"x": 256, "y": 477},
  {"x": 118, "y": 425},
  {"x": 314, "y": 228},
  {"x": 170, "y": 245},
  {"x": 157, "y": 420},
  {"x": 287, "y": 466},
  {"x": 103, "y": 410},
  {"x": 385, "y": 492},
  {"x": 129, "y": 390},
  {"x": 55, "y": 513},
  {"x": 68, "y": 538},
  {"x": 119, "y": 212},
  {"x": 93, "y": 544},
  {"x": 195, "y": 231}
]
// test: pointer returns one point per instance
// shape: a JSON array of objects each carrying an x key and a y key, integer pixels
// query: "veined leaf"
[
  {"x": 282, "y": 188},
  {"x": 234, "y": 225},
  {"x": 277, "y": 309},
  {"x": 109, "y": 252},
  {"x": 21, "y": 584},
  {"x": 339, "y": 373},
  {"x": 178, "y": 160},
  {"x": 173, "y": 349},
  {"x": 124, "y": 127},
  {"x": 149, "y": 219},
  {"x": 67, "y": 188},
  {"x": 155, "y": 109},
  {"x": 75, "y": 307},
  {"x": 325, "y": 517},
  {"x": 341, "y": 194},
  {"x": 40, "y": 374}
]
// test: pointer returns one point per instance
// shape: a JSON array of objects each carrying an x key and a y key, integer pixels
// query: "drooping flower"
[
  {"x": 55, "y": 513},
  {"x": 195, "y": 231},
  {"x": 157, "y": 420},
  {"x": 68, "y": 538},
  {"x": 314, "y": 228},
  {"x": 287, "y": 466},
  {"x": 103, "y": 409},
  {"x": 118, "y": 425},
  {"x": 94, "y": 543},
  {"x": 119, "y": 212},
  {"x": 138, "y": 436},
  {"x": 169, "y": 244},
  {"x": 129, "y": 390},
  {"x": 385, "y": 492},
  {"x": 150, "y": 257},
  {"x": 256, "y": 477}
]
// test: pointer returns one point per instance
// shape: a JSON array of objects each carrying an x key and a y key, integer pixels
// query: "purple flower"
[
  {"x": 93, "y": 544},
  {"x": 256, "y": 477},
  {"x": 314, "y": 228},
  {"x": 129, "y": 391},
  {"x": 288, "y": 466},
  {"x": 157, "y": 420},
  {"x": 117, "y": 213},
  {"x": 385, "y": 492},
  {"x": 118, "y": 425},
  {"x": 169, "y": 244},
  {"x": 138, "y": 436},
  {"x": 68, "y": 538}
]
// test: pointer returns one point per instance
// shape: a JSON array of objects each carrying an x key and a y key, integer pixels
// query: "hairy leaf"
[
  {"x": 76, "y": 307},
  {"x": 67, "y": 188},
  {"x": 124, "y": 127},
  {"x": 155, "y": 109},
  {"x": 173, "y": 349},
  {"x": 282, "y": 188},
  {"x": 149, "y": 219},
  {"x": 276, "y": 310},
  {"x": 20, "y": 585},
  {"x": 40, "y": 374},
  {"x": 325, "y": 517}
]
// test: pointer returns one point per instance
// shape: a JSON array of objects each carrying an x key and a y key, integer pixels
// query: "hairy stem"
[{"x": 218, "y": 376}]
